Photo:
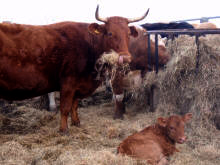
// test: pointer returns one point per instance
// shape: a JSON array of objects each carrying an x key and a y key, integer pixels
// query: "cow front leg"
[
  {"x": 74, "y": 114},
  {"x": 119, "y": 106},
  {"x": 66, "y": 102},
  {"x": 151, "y": 98}
]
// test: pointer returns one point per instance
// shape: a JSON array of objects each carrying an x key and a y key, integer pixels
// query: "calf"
[{"x": 155, "y": 143}]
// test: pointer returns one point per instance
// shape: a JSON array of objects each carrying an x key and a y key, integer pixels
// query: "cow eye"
[{"x": 172, "y": 128}]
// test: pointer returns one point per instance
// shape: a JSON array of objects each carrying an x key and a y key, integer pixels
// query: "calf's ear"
[
  {"x": 162, "y": 121},
  {"x": 133, "y": 31},
  {"x": 96, "y": 29},
  {"x": 187, "y": 117}
]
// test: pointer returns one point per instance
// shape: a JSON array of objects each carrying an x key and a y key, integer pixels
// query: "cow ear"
[
  {"x": 187, "y": 117},
  {"x": 96, "y": 29},
  {"x": 162, "y": 121},
  {"x": 133, "y": 31}
]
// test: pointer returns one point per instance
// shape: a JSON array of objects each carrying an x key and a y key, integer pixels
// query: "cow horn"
[
  {"x": 138, "y": 19},
  {"x": 97, "y": 15}
]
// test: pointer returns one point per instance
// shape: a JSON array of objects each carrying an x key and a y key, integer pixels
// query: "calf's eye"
[{"x": 172, "y": 128}]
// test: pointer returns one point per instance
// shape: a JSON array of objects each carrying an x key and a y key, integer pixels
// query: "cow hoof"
[
  {"x": 76, "y": 123},
  {"x": 64, "y": 132},
  {"x": 118, "y": 117},
  {"x": 53, "y": 109}
]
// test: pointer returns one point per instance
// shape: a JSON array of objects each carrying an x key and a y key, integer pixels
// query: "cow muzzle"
[
  {"x": 182, "y": 140},
  {"x": 124, "y": 59},
  {"x": 113, "y": 58}
]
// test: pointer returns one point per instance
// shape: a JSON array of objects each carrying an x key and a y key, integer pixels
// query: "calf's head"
[
  {"x": 115, "y": 34},
  {"x": 174, "y": 126}
]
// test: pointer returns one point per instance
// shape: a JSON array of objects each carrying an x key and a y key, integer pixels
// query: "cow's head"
[
  {"x": 174, "y": 126},
  {"x": 115, "y": 34},
  {"x": 164, "y": 56}
]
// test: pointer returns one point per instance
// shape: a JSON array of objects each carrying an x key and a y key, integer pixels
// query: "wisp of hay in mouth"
[{"x": 110, "y": 58}]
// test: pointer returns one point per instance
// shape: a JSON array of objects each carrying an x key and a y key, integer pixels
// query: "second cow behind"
[{"x": 139, "y": 51}]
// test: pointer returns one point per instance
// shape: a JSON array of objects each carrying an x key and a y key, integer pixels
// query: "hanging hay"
[
  {"x": 111, "y": 60},
  {"x": 132, "y": 80}
]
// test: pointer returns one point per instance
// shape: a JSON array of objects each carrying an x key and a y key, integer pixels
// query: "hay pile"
[
  {"x": 186, "y": 86},
  {"x": 23, "y": 118},
  {"x": 191, "y": 82}
]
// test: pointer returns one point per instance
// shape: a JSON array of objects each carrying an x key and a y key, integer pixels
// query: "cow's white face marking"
[{"x": 119, "y": 98}]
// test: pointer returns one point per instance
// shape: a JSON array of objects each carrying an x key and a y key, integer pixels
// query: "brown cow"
[
  {"x": 157, "y": 142},
  {"x": 139, "y": 50},
  {"x": 35, "y": 60},
  {"x": 205, "y": 25}
]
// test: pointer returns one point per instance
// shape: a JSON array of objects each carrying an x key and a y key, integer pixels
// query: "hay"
[
  {"x": 190, "y": 87},
  {"x": 110, "y": 59},
  {"x": 23, "y": 119},
  {"x": 90, "y": 157},
  {"x": 107, "y": 58},
  {"x": 14, "y": 153},
  {"x": 185, "y": 85}
]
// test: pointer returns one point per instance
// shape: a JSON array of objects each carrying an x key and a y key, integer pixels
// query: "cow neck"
[
  {"x": 96, "y": 44},
  {"x": 168, "y": 146},
  {"x": 163, "y": 132},
  {"x": 95, "y": 52}
]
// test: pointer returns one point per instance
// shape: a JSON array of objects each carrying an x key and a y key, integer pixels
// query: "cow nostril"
[
  {"x": 120, "y": 60},
  {"x": 124, "y": 59},
  {"x": 182, "y": 139}
]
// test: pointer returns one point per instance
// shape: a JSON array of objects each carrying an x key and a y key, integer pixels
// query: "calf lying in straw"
[{"x": 155, "y": 143}]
